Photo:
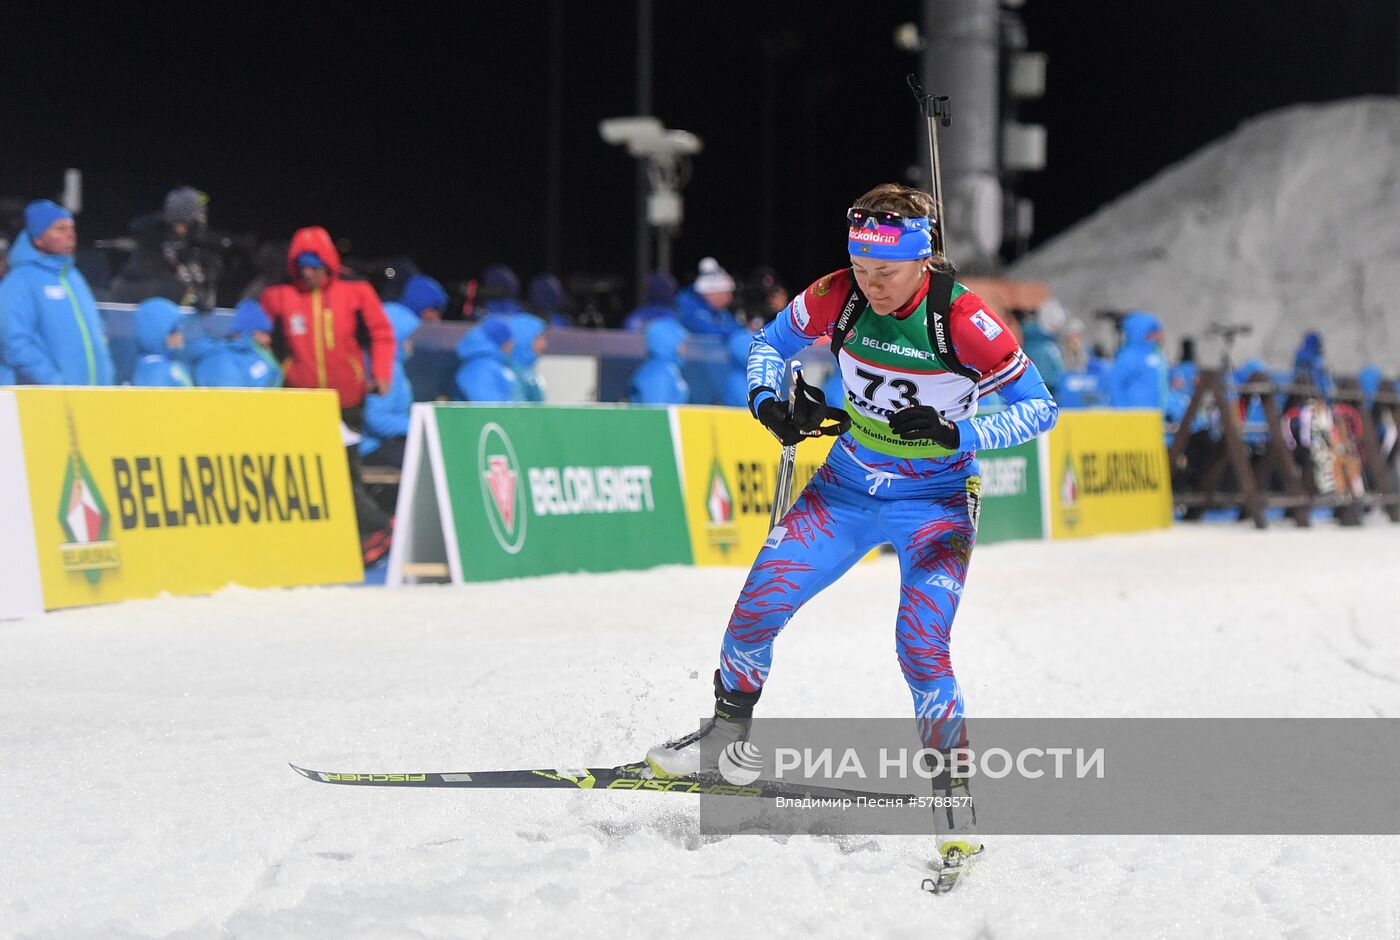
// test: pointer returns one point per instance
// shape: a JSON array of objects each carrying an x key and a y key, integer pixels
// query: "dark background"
[{"x": 408, "y": 131}]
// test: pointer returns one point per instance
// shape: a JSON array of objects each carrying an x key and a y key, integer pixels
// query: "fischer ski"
[
  {"x": 623, "y": 777},
  {"x": 956, "y": 859}
]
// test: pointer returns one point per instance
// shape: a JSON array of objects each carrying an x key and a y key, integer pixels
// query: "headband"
[{"x": 906, "y": 240}]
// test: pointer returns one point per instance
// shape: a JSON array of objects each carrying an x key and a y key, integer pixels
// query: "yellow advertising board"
[
  {"x": 139, "y": 491},
  {"x": 1108, "y": 473},
  {"x": 730, "y": 464}
]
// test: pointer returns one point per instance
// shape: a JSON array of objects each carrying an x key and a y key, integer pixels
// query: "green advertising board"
[
  {"x": 1011, "y": 507},
  {"x": 542, "y": 490}
]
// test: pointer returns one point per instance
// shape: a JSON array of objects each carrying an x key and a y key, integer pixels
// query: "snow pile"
[{"x": 1288, "y": 224}]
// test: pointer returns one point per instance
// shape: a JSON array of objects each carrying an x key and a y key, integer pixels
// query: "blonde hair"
[{"x": 907, "y": 201}]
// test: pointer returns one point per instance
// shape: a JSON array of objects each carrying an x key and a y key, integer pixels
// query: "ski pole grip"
[{"x": 841, "y": 422}]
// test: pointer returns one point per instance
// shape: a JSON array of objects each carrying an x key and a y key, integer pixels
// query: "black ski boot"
[
  {"x": 731, "y": 721},
  {"x": 955, "y": 827}
]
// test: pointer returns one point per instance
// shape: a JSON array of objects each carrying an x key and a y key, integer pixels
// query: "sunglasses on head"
[{"x": 860, "y": 217}]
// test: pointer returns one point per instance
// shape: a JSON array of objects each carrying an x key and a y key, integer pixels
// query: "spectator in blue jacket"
[
  {"x": 1369, "y": 379},
  {"x": 53, "y": 334},
  {"x": 1040, "y": 345},
  {"x": 548, "y": 301},
  {"x": 1138, "y": 378},
  {"x": 736, "y": 380},
  {"x": 1308, "y": 366},
  {"x": 484, "y": 374},
  {"x": 386, "y": 416},
  {"x": 244, "y": 358},
  {"x": 1256, "y": 422},
  {"x": 527, "y": 342},
  {"x": 500, "y": 292},
  {"x": 1181, "y": 386},
  {"x": 834, "y": 389},
  {"x": 661, "y": 302},
  {"x": 704, "y": 305},
  {"x": 158, "y": 326},
  {"x": 424, "y": 297},
  {"x": 658, "y": 379},
  {"x": 7, "y": 375}
]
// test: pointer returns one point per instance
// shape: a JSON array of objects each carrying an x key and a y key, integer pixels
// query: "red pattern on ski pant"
[{"x": 834, "y": 522}]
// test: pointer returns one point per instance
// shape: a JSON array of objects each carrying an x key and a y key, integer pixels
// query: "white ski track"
[{"x": 146, "y": 790}]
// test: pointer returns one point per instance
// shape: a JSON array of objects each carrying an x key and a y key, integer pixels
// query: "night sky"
[{"x": 422, "y": 133}]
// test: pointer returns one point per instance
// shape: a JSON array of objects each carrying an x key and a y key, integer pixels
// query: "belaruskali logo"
[{"x": 740, "y": 763}]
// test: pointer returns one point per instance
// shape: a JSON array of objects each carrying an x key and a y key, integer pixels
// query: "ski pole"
[
  {"x": 937, "y": 109},
  {"x": 782, "y": 492}
]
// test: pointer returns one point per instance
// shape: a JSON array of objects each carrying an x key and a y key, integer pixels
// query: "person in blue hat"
[
  {"x": 1309, "y": 367},
  {"x": 50, "y": 330},
  {"x": 1138, "y": 377},
  {"x": 1043, "y": 349},
  {"x": 159, "y": 335},
  {"x": 736, "y": 380},
  {"x": 549, "y": 301},
  {"x": 484, "y": 374},
  {"x": 387, "y": 414},
  {"x": 658, "y": 379},
  {"x": 424, "y": 297},
  {"x": 528, "y": 341},
  {"x": 499, "y": 294},
  {"x": 7, "y": 375},
  {"x": 244, "y": 358},
  {"x": 660, "y": 302}
]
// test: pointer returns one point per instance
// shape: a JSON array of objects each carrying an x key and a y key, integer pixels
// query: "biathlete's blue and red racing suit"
[{"x": 876, "y": 487}]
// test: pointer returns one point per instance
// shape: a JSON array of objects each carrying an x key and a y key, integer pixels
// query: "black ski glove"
[
  {"x": 773, "y": 414},
  {"x": 925, "y": 423},
  {"x": 809, "y": 410}
]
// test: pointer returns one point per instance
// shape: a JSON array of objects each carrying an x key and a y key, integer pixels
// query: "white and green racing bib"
[{"x": 888, "y": 364}]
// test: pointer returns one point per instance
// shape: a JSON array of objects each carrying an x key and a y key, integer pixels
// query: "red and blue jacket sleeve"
[{"x": 985, "y": 343}]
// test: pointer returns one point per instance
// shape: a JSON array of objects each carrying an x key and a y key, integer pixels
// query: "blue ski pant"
[{"x": 928, "y": 511}]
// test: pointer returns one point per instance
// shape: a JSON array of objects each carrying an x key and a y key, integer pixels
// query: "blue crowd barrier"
[{"x": 433, "y": 365}]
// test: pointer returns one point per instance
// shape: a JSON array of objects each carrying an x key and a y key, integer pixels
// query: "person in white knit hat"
[{"x": 704, "y": 305}]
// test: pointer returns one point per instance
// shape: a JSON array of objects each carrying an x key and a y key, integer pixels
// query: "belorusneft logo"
[
  {"x": 501, "y": 491},
  {"x": 1003, "y": 476},
  {"x": 572, "y": 491}
]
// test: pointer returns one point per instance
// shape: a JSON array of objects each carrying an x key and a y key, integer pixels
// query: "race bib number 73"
[{"x": 879, "y": 391}]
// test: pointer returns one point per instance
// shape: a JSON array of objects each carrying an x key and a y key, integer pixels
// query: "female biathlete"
[{"x": 916, "y": 351}]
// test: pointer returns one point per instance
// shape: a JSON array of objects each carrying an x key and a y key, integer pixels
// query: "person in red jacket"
[
  {"x": 325, "y": 320},
  {"x": 321, "y": 324}
]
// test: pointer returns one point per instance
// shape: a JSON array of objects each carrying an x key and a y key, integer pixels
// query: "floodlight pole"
[{"x": 643, "y": 186}]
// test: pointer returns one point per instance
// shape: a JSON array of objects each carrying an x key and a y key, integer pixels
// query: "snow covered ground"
[{"x": 146, "y": 788}]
